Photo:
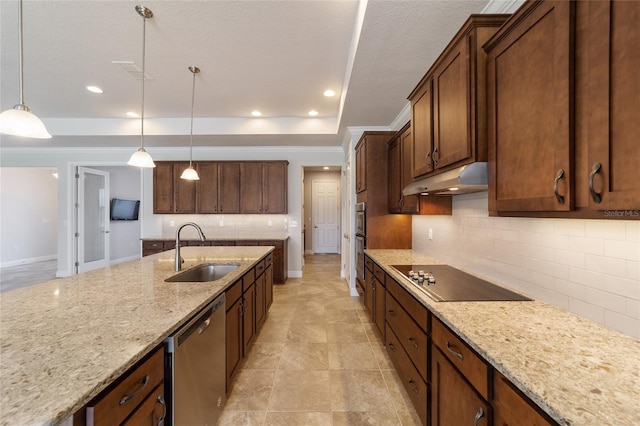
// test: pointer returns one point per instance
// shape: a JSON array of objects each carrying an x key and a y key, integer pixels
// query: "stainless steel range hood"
[{"x": 473, "y": 177}]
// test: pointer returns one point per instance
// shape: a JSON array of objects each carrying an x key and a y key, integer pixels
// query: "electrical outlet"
[
  {"x": 269, "y": 223},
  {"x": 430, "y": 233},
  {"x": 172, "y": 223}
]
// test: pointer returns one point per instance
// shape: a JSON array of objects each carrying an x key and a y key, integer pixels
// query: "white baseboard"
[
  {"x": 353, "y": 291},
  {"x": 124, "y": 259},
  {"x": 308, "y": 252},
  {"x": 295, "y": 274},
  {"x": 27, "y": 261}
]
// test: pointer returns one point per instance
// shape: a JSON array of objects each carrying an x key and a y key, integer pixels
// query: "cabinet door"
[
  {"x": 234, "y": 342},
  {"x": 184, "y": 194},
  {"x": 395, "y": 177},
  {"x": 379, "y": 309},
  {"x": 411, "y": 203},
  {"x": 530, "y": 116},
  {"x": 250, "y": 187},
  {"x": 228, "y": 187},
  {"x": 163, "y": 187},
  {"x": 453, "y": 400},
  {"x": 207, "y": 187},
  {"x": 261, "y": 300},
  {"x": 614, "y": 121},
  {"x": 274, "y": 187},
  {"x": 369, "y": 294},
  {"x": 249, "y": 317},
  {"x": 451, "y": 108},
  {"x": 280, "y": 259},
  {"x": 268, "y": 273},
  {"x": 512, "y": 408},
  {"x": 361, "y": 166},
  {"x": 422, "y": 130}
]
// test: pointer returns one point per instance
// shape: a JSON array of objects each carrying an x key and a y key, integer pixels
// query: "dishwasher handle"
[{"x": 198, "y": 324}]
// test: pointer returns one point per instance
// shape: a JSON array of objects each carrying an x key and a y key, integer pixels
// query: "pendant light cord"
[
  {"x": 193, "y": 99},
  {"x": 144, "y": 32},
  {"x": 21, "y": 54}
]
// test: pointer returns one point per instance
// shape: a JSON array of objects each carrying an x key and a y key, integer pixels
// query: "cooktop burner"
[{"x": 446, "y": 284}]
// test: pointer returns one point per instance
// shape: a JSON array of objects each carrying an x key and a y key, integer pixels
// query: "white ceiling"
[{"x": 274, "y": 56}]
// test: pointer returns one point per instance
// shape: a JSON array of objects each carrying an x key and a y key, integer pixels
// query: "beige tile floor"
[{"x": 317, "y": 360}]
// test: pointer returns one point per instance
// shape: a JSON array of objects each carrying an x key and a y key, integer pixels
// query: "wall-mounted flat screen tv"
[{"x": 124, "y": 209}]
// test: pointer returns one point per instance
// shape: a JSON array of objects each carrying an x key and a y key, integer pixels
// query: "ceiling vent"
[{"x": 132, "y": 69}]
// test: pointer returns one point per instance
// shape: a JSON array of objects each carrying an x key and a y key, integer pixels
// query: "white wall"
[
  {"x": 588, "y": 267},
  {"x": 28, "y": 215}
]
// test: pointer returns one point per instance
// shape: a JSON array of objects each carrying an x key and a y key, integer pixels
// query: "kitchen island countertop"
[
  {"x": 64, "y": 341},
  {"x": 578, "y": 371}
]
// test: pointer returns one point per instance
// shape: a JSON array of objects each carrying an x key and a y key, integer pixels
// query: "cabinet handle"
[
  {"x": 427, "y": 160},
  {"x": 594, "y": 171},
  {"x": 414, "y": 388},
  {"x": 413, "y": 342},
  {"x": 436, "y": 157},
  {"x": 391, "y": 313},
  {"x": 479, "y": 415},
  {"x": 126, "y": 398},
  {"x": 559, "y": 176},
  {"x": 160, "y": 399},
  {"x": 392, "y": 347},
  {"x": 452, "y": 349}
]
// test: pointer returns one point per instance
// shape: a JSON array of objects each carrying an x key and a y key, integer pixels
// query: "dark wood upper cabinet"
[
  {"x": 264, "y": 187},
  {"x": 400, "y": 174},
  {"x": 361, "y": 170},
  {"x": 529, "y": 109},
  {"x": 448, "y": 104},
  {"x": 218, "y": 186},
  {"x": 562, "y": 107},
  {"x": 611, "y": 40},
  {"x": 224, "y": 187}
]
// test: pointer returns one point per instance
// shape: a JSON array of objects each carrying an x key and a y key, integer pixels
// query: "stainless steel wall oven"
[{"x": 360, "y": 243}]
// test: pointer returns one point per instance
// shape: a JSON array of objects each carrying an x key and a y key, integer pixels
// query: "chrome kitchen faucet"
[{"x": 179, "y": 259}]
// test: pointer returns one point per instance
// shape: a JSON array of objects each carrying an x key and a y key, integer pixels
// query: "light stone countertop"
[
  {"x": 578, "y": 371},
  {"x": 64, "y": 341}
]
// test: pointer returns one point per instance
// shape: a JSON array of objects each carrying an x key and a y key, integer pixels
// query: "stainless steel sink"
[{"x": 205, "y": 272}]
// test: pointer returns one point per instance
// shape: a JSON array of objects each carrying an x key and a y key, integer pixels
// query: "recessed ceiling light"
[
  {"x": 313, "y": 113},
  {"x": 94, "y": 89},
  {"x": 132, "y": 114},
  {"x": 256, "y": 113},
  {"x": 453, "y": 189},
  {"x": 325, "y": 168},
  {"x": 329, "y": 93}
]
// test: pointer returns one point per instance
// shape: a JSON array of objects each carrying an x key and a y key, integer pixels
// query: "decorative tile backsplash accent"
[{"x": 588, "y": 267}]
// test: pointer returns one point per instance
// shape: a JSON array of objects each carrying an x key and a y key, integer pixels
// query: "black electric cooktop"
[{"x": 446, "y": 284}]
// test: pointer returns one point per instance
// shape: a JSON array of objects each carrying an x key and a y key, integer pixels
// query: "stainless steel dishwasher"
[{"x": 195, "y": 367}]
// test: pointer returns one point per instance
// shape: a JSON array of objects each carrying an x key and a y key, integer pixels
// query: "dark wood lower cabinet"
[
  {"x": 152, "y": 411},
  {"x": 234, "y": 342},
  {"x": 454, "y": 402}
]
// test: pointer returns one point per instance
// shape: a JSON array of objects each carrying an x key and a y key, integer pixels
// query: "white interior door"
[
  {"x": 93, "y": 219},
  {"x": 326, "y": 216}
]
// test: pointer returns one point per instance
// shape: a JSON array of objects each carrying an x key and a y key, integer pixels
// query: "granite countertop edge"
[
  {"x": 37, "y": 365},
  {"x": 569, "y": 396}
]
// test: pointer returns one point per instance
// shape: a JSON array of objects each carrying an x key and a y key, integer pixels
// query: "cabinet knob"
[{"x": 597, "y": 198}]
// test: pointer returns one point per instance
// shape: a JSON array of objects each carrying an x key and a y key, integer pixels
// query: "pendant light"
[
  {"x": 190, "y": 173},
  {"x": 141, "y": 157},
  {"x": 20, "y": 121}
]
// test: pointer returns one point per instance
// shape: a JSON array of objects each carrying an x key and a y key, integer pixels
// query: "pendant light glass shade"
[
  {"x": 190, "y": 173},
  {"x": 20, "y": 121},
  {"x": 141, "y": 157}
]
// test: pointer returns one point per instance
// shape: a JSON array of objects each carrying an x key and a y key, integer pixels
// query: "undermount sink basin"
[{"x": 205, "y": 272}]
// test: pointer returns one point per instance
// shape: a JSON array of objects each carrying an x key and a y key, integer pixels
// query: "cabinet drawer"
[
  {"x": 411, "y": 379},
  {"x": 378, "y": 272},
  {"x": 128, "y": 393},
  {"x": 269, "y": 259},
  {"x": 248, "y": 279},
  {"x": 368, "y": 263},
  {"x": 412, "y": 338},
  {"x": 466, "y": 361},
  {"x": 415, "y": 309},
  {"x": 153, "y": 245},
  {"x": 233, "y": 293},
  {"x": 260, "y": 268},
  {"x": 198, "y": 243},
  {"x": 152, "y": 411},
  {"x": 511, "y": 407}
]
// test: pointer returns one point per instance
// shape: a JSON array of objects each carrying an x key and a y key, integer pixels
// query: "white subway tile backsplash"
[
  {"x": 623, "y": 323},
  {"x": 622, "y": 249},
  {"x": 589, "y": 267},
  {"x": 607, "y": 229}
]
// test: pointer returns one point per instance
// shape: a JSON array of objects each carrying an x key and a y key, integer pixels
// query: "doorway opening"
[{"x": 321, "y": 210}]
